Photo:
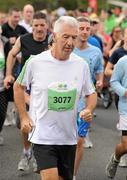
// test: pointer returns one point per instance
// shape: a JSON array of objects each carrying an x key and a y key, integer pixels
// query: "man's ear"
[{"x": 54, "y": 37}]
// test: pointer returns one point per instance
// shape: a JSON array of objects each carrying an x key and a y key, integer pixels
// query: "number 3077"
[{"x": 62, "y": 99}]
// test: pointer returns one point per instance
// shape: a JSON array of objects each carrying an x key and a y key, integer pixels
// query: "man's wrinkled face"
[{"x": 65, "y": 40}]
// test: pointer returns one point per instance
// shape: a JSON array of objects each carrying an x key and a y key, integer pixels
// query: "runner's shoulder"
[{"x": 78, "y": 59}]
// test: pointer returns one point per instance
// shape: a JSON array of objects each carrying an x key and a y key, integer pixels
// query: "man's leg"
[
  {"x": 123, "y": 161},
  {"x": 79, "y": 154},
  {"x": 26, "y": 143},
  {"x": 120, "y": 150},
  {"x": 3, "y": 110},
  {"x": 83, "y": 127},
  {"x": 26, "y": 154},
  {"x": 49, "y": 174}
]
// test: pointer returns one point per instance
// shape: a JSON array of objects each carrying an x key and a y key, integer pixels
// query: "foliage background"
[{"x": 51, "y": 4}]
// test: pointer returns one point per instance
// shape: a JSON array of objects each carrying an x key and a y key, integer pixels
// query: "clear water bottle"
[{"x": 83, "y": 127}]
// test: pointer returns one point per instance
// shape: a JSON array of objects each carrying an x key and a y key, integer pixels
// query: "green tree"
[
  {"x": 50, "y": 4},
  {"x": 5, "y": 5}
]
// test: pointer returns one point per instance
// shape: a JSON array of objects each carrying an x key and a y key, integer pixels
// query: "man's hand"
[
  {"x": 12, "y": 40},
  {"x": 26, "y": 125},
  {"x": 99, "y": 85},
  {"x": 8, "y": 81},
  {"x": 86, "y": 115}
]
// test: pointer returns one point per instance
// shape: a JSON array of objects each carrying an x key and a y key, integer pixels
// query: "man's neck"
[
  {"x": 57, "y": 55},
  {"x": 81, "y": 45},
  {"x": 11, "y": 25},
  {"x": 27, "y": 21},
  {"x": 39, "y": 38}
]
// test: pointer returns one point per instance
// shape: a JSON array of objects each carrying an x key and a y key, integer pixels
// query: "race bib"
[{"x": 61, "y": 97}]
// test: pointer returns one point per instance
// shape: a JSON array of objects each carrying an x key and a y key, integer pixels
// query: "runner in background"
[
  {"x": 93, "y": 56},
  {"x": 28, "y": 44},
  {"x": 11, "y": 30},
  {"x": 119, "y": 84},
  {"x": 3, "y": 97},
  {"x": 27, "y": 16}
]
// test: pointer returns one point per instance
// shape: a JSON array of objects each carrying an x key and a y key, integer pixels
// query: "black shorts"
[
  {"x": 3, "y": 108},
  {"x": 124, "y": 132},
  {"x": 56, "y": 156},
  {"x": 10, "y": 94}
]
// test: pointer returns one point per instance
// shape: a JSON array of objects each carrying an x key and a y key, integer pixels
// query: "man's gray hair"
[{"x": 68, "y": 20}]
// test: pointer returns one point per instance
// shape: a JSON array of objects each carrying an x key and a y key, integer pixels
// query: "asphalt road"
[{"x": 103, "y": 135}]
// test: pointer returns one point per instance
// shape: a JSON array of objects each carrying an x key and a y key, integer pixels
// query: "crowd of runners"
[{"x": 53, "y": 66}]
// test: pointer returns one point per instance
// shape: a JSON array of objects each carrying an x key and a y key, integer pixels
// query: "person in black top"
[
  {"x": 116, "y": 55},
  {"x": 28, "y": 44},
  {"x": 113, "y": 59},
  {"x": 11, "y": 29}
]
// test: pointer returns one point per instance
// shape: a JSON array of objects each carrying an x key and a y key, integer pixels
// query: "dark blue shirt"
[{"x": 117, "y": 54}]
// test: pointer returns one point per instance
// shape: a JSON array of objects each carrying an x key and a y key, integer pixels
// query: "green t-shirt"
[{"x": 109, "y": 24}]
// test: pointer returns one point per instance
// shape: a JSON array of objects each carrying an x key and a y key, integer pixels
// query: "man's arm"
[
  {"x": 119, "y": 73},
  {"x": 90, "y": 96},
  {"x": 99, "y": 71},
  {"x": 109, "y": 69},
  {"x": 115, "y": 47},
  {"x": 99, "y": 81},
  {"x": 91, "y": 101},
  {"x": 26, "y": 122},
  {"x": 11, "y": 59}
]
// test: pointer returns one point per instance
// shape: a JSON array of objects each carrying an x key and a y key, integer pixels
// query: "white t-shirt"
[
  {"x": 55, "y": 90},
  {"x": 27, "y": 26}
]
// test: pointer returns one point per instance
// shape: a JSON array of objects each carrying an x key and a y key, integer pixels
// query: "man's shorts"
[
  {"x": 83, "y": 127},
  {"x": 122, "y": 125},
  {"x": 56, "y": 156}
]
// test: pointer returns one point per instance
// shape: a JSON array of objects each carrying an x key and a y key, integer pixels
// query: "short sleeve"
[
  {"x": 88, "y": 87},
  {"x": 25, "y": 77}
]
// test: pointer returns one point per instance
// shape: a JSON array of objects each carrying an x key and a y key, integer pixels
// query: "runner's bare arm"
[
  {"x": 26, "y": 122},
  {"x": 109, "y": 69},
  {"x": 99, "y": 81},
  {"x": 10, "y": 63},
  {"x": 91, "y": 102},
  {"x": 12, "y": 57}
]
